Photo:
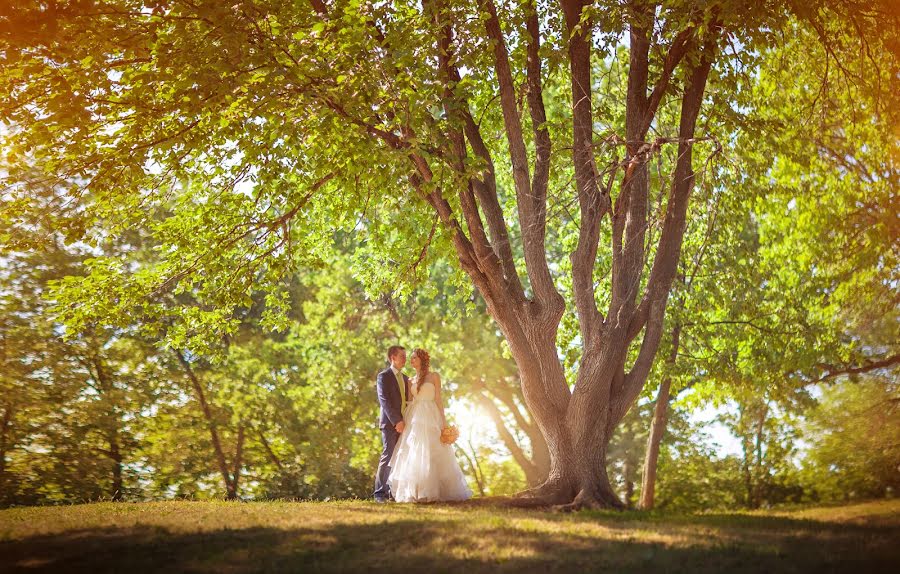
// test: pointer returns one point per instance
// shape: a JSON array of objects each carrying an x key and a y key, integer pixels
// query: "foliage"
[
  {"x": 233, "y": 182},
  {"x": 854, "y": 447}
]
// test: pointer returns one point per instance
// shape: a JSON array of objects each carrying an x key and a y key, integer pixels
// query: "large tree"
[{"x": 263, "y": 110}]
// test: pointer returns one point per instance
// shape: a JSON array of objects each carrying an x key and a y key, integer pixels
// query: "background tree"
[
  {"x": 853, "y": 440},
  {"x": 785, "y": 289}
]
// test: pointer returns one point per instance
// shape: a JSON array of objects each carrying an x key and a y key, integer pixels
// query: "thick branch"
[
  {"x": 674, "y": 56},
  {"x": 630, "y": 217},
  {"x": 486, "y": 191},
  {"x": 669, "y": 251},
  {"x": 542, "y": 144},
  {"x": 512, "y": 121},
  {"x": 532, "y": 209},
  {"x": 464, "y": 249},
  {"x": 593, "y": 203},
  {"x": 486, "y": 257},
  {"x": 832, "y": 371}
]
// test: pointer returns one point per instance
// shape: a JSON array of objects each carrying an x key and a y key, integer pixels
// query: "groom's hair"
[{"x": 393, "y": 350}]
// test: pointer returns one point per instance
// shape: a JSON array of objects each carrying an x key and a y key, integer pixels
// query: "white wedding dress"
[{"x": 423, "y": 469}]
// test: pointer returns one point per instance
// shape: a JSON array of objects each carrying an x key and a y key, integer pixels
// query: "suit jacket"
[{"x": 389, "y": 397}]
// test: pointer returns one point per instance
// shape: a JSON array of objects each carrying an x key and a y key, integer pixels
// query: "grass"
[{"x": 228, "y": 537}]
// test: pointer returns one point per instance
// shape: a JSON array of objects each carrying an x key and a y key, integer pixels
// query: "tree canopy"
[{"x": 561, "y": 168}]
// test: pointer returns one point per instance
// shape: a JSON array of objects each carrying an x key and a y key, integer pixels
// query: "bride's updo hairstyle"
[{"x": 424, "y": 367}]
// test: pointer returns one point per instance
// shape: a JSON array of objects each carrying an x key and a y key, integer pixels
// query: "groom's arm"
[{"x": 387, "y": 392}]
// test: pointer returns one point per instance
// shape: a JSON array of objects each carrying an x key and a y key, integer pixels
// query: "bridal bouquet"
[{"x": 449, "y": 435}]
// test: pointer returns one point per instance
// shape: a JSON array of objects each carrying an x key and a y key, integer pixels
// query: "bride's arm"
[{"x": 437, "y": 399}]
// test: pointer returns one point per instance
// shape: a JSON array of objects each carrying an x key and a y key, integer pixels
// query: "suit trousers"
[{"x": 389, "y": 438}]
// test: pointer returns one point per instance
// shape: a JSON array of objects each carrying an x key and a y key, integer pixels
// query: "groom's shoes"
[{"x": 381, "y": 500}]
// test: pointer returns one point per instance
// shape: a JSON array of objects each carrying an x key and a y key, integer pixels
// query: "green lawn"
[{"x": 362, "y": 536}]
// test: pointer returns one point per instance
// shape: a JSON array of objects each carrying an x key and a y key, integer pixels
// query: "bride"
[{"x": 424, "y": 469}]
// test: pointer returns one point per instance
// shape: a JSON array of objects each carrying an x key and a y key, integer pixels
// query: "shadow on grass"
[{"x": 703, "y": 545}]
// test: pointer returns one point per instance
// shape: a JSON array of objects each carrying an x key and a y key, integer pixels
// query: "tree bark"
[
  {"x": 657, "y": 430},
  {"x": 238, "y": 462},
  {"x": 752, "y": 420},
  {"x": 658, "y": 427},
  {"x": 5, "y": 425},
  {"x": 604, "y": 391},
  {"x": 629, "y": 484},
  {"x": 748, "y": 474},
  {"x": 115, "y": 455},
  {"x": 579, "y": 426},
  {"x": 758, "y": 450}
]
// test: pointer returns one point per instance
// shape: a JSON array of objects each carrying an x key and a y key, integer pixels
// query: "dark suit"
[{"x": 391, "y": 401}]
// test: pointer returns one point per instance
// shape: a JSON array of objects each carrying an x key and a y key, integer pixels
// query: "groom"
[{"x": 393, "y": 389}]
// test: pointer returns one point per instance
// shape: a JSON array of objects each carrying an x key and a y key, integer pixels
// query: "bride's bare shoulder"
[{"x": 432, "y": 377}]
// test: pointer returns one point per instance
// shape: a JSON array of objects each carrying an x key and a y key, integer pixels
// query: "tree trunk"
[
  {"x": 540, "y": 454},
  {"x": 233, "y": 490},
  {"x": 748, "y": 475},
  {"x": 629, "y": 484},
  {"x": 577, "y": 446},
  {"x": 230, "y": 490},
  {"x": 747, "y": 462},
  {"x": 758, "y": 450},
  {"x": 111, "y": 424},
  {"x": 658, "y": 428},
  {"x": 5, "y": 425},
  {"x": 578, "y": 426},
  {"x": 115, "y": 455}
]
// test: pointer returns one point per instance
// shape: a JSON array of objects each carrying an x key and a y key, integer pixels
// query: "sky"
[{"x": 725, "y": 442}]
